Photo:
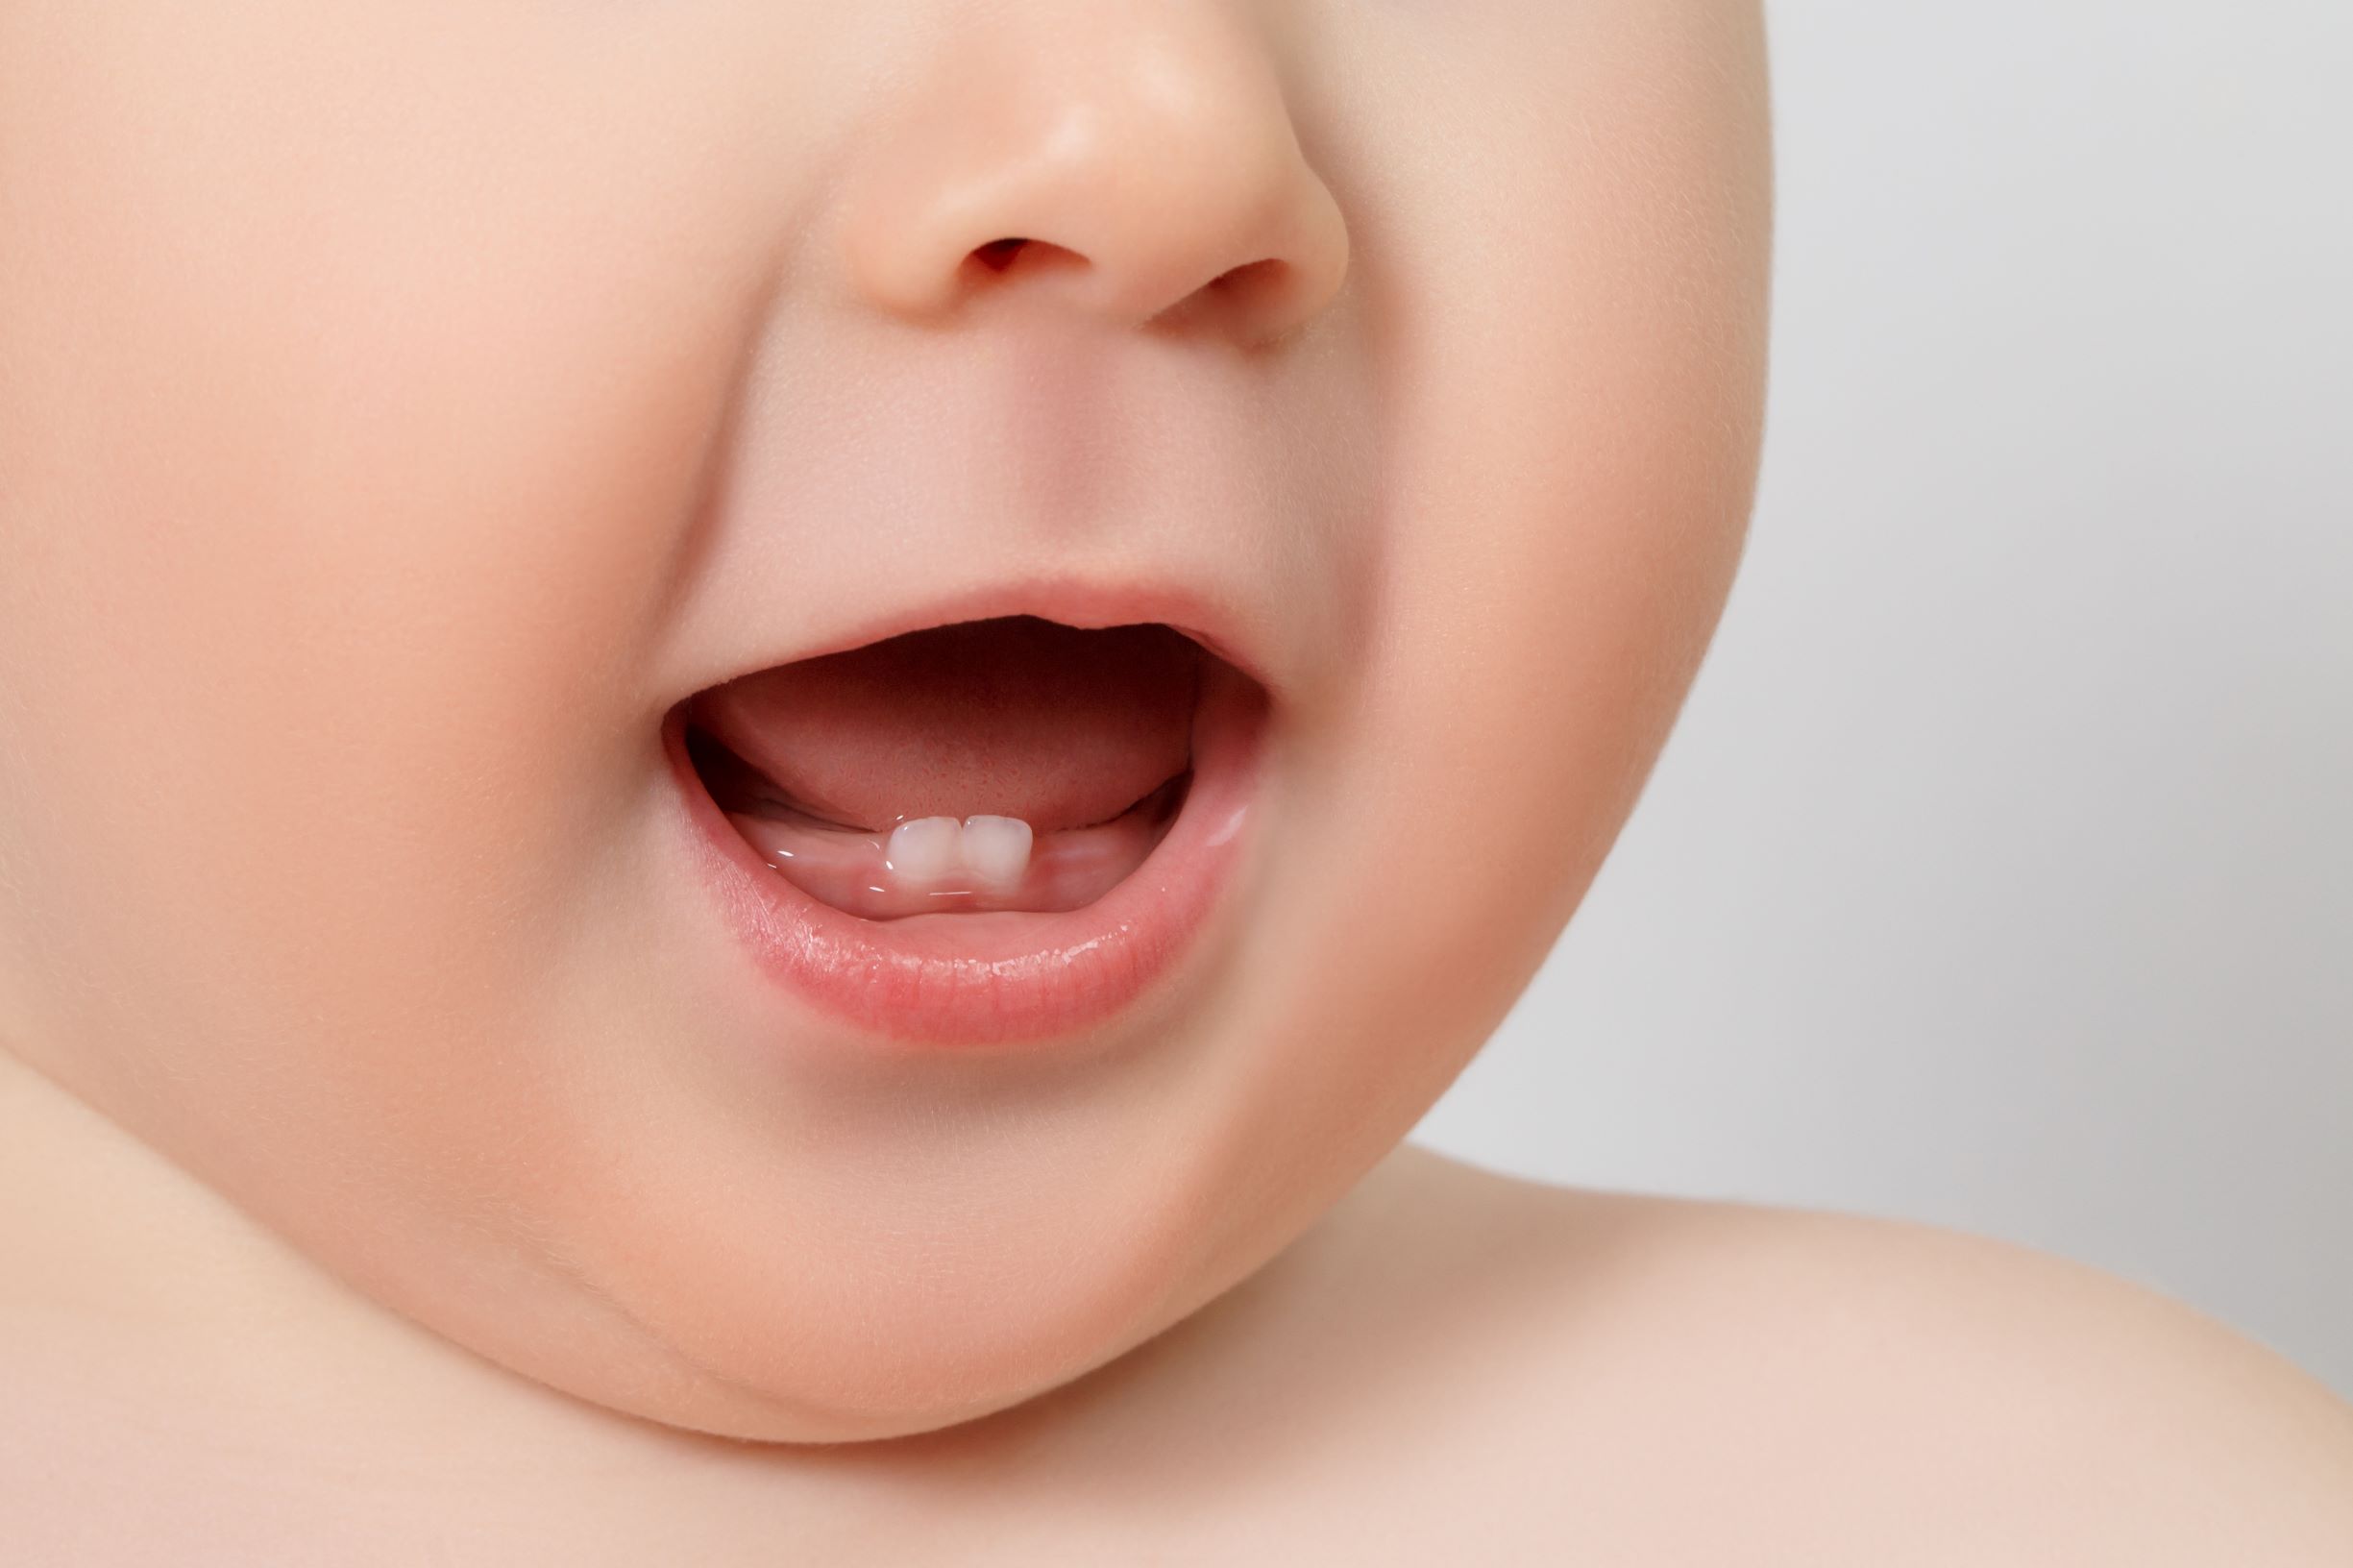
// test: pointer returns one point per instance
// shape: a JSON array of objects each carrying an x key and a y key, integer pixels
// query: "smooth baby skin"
[
  {"x": 1450, "y": 1366},
  {"x": 403, "y": 408}
]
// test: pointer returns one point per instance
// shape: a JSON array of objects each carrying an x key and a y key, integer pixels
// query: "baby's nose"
[{"x": 1137, "y": 162}]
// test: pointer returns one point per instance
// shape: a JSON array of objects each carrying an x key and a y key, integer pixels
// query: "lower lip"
[{"x": 1000, "y": 978}]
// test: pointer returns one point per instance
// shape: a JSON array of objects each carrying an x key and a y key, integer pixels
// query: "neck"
[{"x": 134, "y": 1275}]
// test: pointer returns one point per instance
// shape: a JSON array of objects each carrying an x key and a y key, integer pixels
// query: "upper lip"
[{"x": 1083, "y": 600}]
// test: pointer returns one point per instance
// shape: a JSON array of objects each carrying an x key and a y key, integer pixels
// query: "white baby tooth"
[
  {"x": 997, "y": 850},
  {"x": 924, "y": 850}
]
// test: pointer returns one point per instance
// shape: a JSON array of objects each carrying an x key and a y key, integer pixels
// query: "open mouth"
[
  {"x": 985, "y": 830},
  {"x": 1013, "y": 764}
]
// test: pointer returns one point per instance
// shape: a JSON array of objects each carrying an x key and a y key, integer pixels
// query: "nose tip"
[{"x": 1144, "y": 170}]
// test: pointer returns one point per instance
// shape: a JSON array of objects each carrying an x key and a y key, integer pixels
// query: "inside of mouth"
[{"x": 1013, "y": 764}]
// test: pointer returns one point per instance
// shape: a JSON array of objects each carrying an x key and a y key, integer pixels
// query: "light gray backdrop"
[{"x": 2000, "y": 873}]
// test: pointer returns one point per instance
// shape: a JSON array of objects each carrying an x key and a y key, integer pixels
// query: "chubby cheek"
[
  {"x": 1575, "y": 336},
  {"x": 338, "y": 485}
]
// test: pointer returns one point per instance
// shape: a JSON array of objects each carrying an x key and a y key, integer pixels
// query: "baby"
[{"x": 753, "y": 756}]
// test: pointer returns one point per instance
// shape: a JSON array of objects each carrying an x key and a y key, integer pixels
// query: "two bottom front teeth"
[
  {"x": 940, "y": 853},
  {"x": 938, "y": 864}
]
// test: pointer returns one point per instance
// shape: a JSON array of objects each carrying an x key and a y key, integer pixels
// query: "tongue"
[{"x": 1016, "y": 717}]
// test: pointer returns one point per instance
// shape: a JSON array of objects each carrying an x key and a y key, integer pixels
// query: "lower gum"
[{"x": 1067, "y": 869}]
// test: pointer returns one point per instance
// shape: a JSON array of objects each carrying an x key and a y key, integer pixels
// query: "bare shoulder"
[{"x": 1705, "y": 1376}]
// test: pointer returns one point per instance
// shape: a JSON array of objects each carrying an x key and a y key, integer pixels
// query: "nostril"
[
  {"x": 1237, "y": 300},
  {"x": 1252, "y": 277},
  {"x": 1000, "y": 258},
  {"x": 998, "y": 253}
]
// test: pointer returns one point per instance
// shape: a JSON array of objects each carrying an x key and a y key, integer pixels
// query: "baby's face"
[{"x": 438, "y": 443}]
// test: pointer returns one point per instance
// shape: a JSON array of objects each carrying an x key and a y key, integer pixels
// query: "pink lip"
[
  {"x": 981, "y": 979},
  {"x": 1208, "y": 618}
]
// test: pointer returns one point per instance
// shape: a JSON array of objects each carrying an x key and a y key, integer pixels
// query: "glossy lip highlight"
[{"x": 997, "y": 978}]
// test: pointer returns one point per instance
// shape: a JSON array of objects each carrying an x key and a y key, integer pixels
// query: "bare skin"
[
  {"x": 1453, "y": 1363},
  {"x": 405, "y": 408}
]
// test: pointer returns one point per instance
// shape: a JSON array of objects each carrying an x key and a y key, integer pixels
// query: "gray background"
[{"x": 2001, "y": 873}]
